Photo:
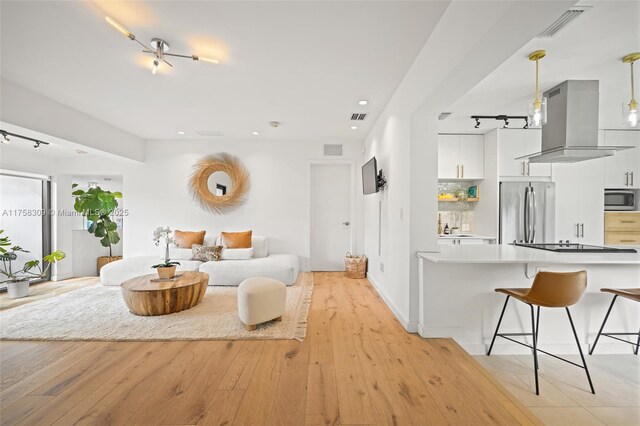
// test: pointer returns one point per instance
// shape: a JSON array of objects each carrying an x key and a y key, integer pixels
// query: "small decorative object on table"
[
  {"x": 167, "y": 269},
  {"x": 355, "y": 266}
]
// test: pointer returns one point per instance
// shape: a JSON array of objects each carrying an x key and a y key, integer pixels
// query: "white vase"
[{"x": 19, "y": 289}]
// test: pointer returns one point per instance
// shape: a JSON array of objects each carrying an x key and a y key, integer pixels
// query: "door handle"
[
  {"x": 577, "y": 230},
  {"x": 346, "y": 223},
  {"x": 462, "y": 171},
  {"x": 626, "y": 179},
  {"x": 631, "y": 174},
  {"x": 582, "y": 230},
  {"x": 528, "y": 169},
  {"x": 458, "y": 171},
  {"x": 523, "y": 168}
]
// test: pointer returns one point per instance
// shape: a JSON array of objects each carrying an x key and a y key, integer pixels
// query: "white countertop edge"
[{"x": 497, "y": 253}]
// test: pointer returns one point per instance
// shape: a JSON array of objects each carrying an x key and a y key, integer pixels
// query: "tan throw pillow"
[
  {"x": 186, "y": 239},
  {"x": 206, "y": 254},
  {"x": 236, "y": 239}
]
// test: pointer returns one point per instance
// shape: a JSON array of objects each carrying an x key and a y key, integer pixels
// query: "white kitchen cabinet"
[
  {"x": 461, "y": 157},
  {"x": 448, "y": 156},
  {"x": 580, "y": 201},
  {"x": 514, "y": 143},
  {"x": 622, "y": 170}
]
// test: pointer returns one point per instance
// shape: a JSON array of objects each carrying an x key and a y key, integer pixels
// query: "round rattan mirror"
[{"x": 219, "y": 183}]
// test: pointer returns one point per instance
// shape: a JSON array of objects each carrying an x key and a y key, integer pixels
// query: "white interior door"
[{"x": 330, "y": 233}]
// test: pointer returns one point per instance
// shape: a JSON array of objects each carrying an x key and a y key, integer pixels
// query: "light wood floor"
[
  {"x": 564, "y": 393},
  {"x": 356, "y": 366}
]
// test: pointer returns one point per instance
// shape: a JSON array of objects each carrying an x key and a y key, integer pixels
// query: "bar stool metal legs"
[
  {"x": 624, "y": 293},
  {"x": 534, "y": 333},
  {"x": 584, "y": 363},
  {"x": 535, "y": 328}
]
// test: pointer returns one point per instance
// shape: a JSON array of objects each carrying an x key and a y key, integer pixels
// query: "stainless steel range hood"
[{"x": 571, "y": 132}]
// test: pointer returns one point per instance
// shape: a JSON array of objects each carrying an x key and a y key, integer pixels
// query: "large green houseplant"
[
  {"x": 17, "y": 280},
  {"x": 98, "y": 205}
]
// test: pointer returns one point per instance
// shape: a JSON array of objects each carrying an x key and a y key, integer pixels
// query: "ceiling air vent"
[
  {"x": 358, "y": 116},
  {"x": 335, "y": 150},
  {"x": 209, "y": 133},
  {"x": 443, "y": 115},
  {"x": 565, "y": 19}
]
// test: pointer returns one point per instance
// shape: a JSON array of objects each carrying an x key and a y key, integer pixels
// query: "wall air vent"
[
  {"x": 209, "y": 133},
  {"x": 443, "y": 115},
  {"x": 356, "y": 116},
  {"x": 565, "y": 19},
  {"x": 333, "y": 150}
]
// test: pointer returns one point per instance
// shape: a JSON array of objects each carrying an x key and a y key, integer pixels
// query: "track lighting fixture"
[
  {"x": 159, "y": 48},
  {"x": 501, "y": 117},
  {"x": 630, "y": 111},
  {"x": 5, "y": 139},
  {"x": 538, "y": 109}
]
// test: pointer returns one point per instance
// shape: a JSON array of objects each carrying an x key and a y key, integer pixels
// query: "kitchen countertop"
[
  {"x": 506, "y": 253},
  {"x": 471, "y": 236}
]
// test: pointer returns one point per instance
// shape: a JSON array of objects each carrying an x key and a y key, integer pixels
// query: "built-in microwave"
[{"x": 619, "y": 199}]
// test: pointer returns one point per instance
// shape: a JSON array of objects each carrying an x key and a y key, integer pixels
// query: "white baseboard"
[
  {"x": 410, "y": 327},
  {"x": 61, "y": 277}
]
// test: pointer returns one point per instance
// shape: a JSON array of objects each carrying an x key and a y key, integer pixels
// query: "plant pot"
[
  {"x": 18, "y": 289},
  {"x": 104, "y": 260},
  {"x": 166, "y": 271}
]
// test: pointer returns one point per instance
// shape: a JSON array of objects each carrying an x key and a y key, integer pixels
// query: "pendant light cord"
[
  {"x": 537, "y": 97},
  {"x": 632, "y": 85}
]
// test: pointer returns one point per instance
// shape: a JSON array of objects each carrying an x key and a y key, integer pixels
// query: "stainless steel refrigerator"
[{"x": 527, "y": 212}]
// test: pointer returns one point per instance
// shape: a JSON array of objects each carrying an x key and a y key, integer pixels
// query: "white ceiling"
[
  {"x": 591, "y": 47},
  {"x": 305, "y": 64}
]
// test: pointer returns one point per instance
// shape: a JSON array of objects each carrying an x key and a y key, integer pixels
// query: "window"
[{"x": 25, "y": 202}]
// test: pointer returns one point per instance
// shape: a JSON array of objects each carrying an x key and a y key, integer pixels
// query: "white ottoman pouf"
[{"x": 261, "y": 300}]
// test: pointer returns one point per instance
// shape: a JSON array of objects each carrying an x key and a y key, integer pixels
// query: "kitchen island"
[{"x": 457, "y": 297}]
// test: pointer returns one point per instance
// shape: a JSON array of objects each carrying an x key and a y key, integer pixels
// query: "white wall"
[
  {"x": 469, "y": 42},
  {"x": 157, "y": 194}
]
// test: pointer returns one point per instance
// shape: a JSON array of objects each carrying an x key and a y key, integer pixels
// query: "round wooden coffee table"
[{"x": 146, "y": 297}]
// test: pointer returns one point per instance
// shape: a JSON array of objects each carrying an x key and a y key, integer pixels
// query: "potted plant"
[
  {"x": 18, "y": 280},
  {"x": 166, "y": 269},
  {"x": 97, "y": 206}
]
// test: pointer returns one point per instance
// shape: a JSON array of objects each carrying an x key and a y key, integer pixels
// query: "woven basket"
[{"x": 355, "y": 266}]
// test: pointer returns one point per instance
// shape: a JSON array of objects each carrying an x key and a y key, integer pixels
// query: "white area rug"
[{"x": 99, "y": 313}]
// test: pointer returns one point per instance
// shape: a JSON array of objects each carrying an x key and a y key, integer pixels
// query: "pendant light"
[
  {"x": 538, "y": 108},
  {"x": 630, "y": 111}
]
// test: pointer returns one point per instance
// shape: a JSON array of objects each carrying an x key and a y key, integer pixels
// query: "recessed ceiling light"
[
  {"x": 363, "y": 102},
  {"x": 255, "y": 133},
  {"x": 180, "y": 132},
  {"x": 354, "y": 127}
]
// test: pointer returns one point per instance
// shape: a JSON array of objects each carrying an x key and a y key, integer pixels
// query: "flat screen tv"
[{"x": 370, "y": 177}]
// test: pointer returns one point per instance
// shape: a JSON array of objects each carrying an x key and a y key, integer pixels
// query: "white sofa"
[{"x": 282, "y": 267}]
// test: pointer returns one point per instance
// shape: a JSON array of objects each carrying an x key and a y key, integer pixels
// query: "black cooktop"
[{"x": 575, "y": 248}]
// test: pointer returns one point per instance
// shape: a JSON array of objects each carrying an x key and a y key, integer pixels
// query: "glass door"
[{"x": 25, "y": 203}]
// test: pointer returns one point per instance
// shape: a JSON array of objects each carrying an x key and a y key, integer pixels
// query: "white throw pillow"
[{"x": 237, "y": 254}]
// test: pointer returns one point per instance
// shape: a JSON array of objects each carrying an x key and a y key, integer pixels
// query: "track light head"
[
  {"x": 36, "y": 147},
  {"x": 5, "y": 138},
  {"x": 506, "y": 123},
  {"x": 477, "y": 123}
]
